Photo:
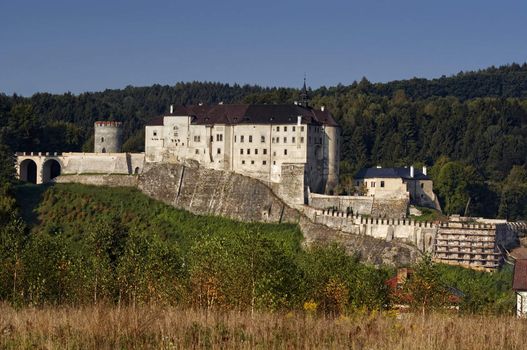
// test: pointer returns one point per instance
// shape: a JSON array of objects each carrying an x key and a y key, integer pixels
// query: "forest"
[{"x": 471, "y": 128}]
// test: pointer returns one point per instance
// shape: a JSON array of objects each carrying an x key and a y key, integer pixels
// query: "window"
[
  {"x": 102, "y": 139},
  {"x": 211, "y": 138},
  {"x": 302, "y": 128},
  {"x": 265, "y": 151},
  {"x": 234, "y": 138},
  {"x": 285, "y": 128},
  {"x": 241, "y": 138},
  {"x": 218, "y": 151},
  {"x": 197, "y": 151},
  {"x": 274, "y": 162},
  {"x": 252, "y": 161},
  {"x": 293, "y": 140},
  {"x": 250, "y": 138},
  {"x": 197, "y": 138},
  {"x": 243, "y": 161},
  {"x": 285, "y": 152},
  {"x": 277, "y": 140},
  {"x": 219, "y": 137},
  {"x": 294, "y": 128},
  {"x": 277, "y": 128},
  {"x": 285, "y": 139},
  {"x": 422, "y": 185},
  {"x": 155, "y": 133},
  {"x": 373, "y": 184},
  {"x": 248, "y": 151},
  {"x": 264, "y": 162},
  {"x": 256, "y": 151},
  {"x": 241, "y": 150},
  {"x": 302, "y": 139},
  {"x": 382, "y": 183},
  {"x": 274, "y": 154},
  {"x": 262, "y": 138}
]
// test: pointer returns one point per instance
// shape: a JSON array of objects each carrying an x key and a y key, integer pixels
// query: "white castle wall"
[{"x": 420, "y": 234}]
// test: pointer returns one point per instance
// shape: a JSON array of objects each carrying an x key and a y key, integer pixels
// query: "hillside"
[{"x": 476, "y": 121}]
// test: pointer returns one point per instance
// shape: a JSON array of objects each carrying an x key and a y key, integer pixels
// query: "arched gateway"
[{"x": 38, "y": 168}]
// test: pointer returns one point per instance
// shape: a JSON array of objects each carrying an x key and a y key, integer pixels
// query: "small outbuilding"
[{"x": 519, "y": 285}]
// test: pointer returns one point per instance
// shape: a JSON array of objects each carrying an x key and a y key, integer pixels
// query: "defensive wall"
[
  {"x": 43, "y": 167},
  {"x": 471, "y": 242},
  {"x": 362, "y": 205},
  {"x": 420, "y": 234}
]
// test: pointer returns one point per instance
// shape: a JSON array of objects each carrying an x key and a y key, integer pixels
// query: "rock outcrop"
[{"x": 211, "y": 192}]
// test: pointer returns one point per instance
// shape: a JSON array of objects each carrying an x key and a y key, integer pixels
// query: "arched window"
[
  {"x": 136, "y": 171},
  {"x": 104, "y": 150}
]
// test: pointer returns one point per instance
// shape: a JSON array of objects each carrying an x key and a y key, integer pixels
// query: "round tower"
[{"x": 108, "y": 137}]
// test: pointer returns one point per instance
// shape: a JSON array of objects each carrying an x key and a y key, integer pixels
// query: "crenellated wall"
[
  {"x": 421, "y": 234},
  {"x": 362, "y": 205}
]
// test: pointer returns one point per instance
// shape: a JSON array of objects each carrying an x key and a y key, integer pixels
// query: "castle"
[
  {"x": 254, "y": 140},
  {"x": 290, "y": 150}
]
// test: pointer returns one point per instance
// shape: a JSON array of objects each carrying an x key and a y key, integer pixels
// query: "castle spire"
[{"x": 304, "y": 96}]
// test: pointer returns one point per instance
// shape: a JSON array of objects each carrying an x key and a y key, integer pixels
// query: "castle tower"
[{"x": 108, "y": 137}]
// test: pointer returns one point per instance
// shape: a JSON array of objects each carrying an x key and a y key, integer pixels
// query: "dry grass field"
[{"x": 110, "y": 327}]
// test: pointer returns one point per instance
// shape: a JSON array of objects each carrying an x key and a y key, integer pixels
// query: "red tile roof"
[
  {"x": 251, "y": 114},
  {"x": 519, "y": 281}
]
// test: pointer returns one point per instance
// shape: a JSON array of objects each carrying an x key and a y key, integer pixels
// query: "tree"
[
  {"x": 513, "y": 203},
  {"x": 424, "y": 288}
]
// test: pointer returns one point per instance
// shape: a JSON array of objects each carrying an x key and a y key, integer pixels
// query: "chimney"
[
  {"x": 412, "y": 171},
  {"x": 322, "y": 108},
  {"x": 424, "y": 171},
  {"x": 299, "y": 120},
  {"x": 171, "y": 109},
  {"x": 296, "y": 103}
]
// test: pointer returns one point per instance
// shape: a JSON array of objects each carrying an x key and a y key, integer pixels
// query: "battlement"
[
  {"x": 471, "y": 226},
  {"x": 108, "y": 124},
  {"x": 359, "y": 219},
  {"x": 38, "y": 154}
]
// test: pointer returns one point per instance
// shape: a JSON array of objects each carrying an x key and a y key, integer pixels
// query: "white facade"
[{"x": 257, "y": 149}]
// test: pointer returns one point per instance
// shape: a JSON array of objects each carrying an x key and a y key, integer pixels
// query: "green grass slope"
[{"x": 72, "y": 209}]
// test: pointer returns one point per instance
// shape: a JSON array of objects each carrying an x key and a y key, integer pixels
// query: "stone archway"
[
  {"x": 28, "y": 171},
  {"x": 50, "y": 170}
]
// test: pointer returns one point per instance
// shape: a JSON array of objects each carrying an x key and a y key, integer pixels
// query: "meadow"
[{"x": 154, "y": 327}]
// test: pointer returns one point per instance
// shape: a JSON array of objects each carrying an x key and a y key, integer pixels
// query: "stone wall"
[
  {"x": 101, "y": 163},
  {"x": 100, "y": 180},
  {"x": 362, "y": 205},
  {"x": 420, "y": 234},
  {"x": 390, "y": 207},
  {"x": 291, "y": 189},
  {"x": 211, "y": 192}
]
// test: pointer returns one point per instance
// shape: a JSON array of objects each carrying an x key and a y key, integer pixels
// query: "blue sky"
[{"x": 59, "y": 46}]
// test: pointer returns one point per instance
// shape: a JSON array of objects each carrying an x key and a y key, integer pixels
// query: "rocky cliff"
[{"x": 211, "y": 192}]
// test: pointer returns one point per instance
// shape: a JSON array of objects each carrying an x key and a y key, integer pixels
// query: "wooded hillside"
[{"x": 472, "y": 126}]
